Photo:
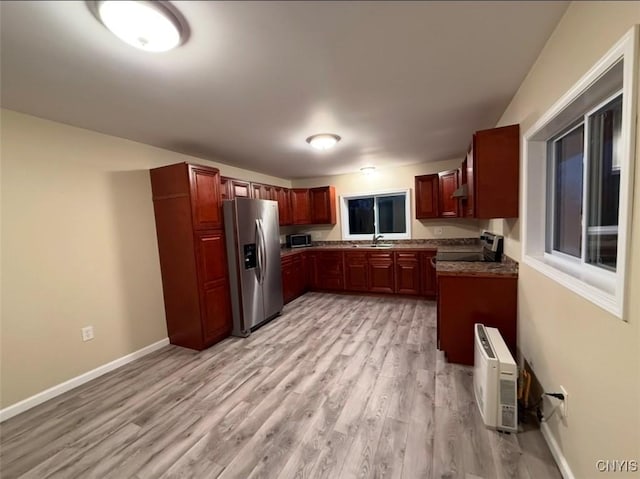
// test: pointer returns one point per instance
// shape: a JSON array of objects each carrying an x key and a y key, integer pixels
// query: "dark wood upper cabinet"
[
  {"x": 300, "y": 206},
  {"x": 323, "y": 205},
  {"x": 469, "y": 202},
  {"x": 187, "y": 207},
  {"x": 232, "y": 188},
  {"x": 205, "y": 192},
  {"x": 448, "y": 185},
  {"x": 263, "y": 192},
  {"x": 495, "y": 169},
  {"x": 427, "y": 196},
  {"x": 284, "y": 204},
  {"x": 407, "y": 273},
  {"x": 240, "y": 189},
  {"x": 225, "y": 193}
]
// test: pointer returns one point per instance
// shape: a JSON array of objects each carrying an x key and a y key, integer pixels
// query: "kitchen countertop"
[
  {"x": 456, "y": 244},
  {"x": 289, "y": 251},
  {"x": 506, "y": 268}
]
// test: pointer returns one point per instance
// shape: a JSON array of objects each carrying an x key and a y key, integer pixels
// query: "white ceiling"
[{"x": 401, "y": 82}]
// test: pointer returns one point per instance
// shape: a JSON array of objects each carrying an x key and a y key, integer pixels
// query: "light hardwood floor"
[{"x": 337, "y": 387}]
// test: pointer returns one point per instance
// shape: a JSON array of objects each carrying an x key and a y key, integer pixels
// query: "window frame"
[
  {"x": 605, "y": 288},
  {"x": 558, "y": 255},
  {"x": 344, "y": 214}
]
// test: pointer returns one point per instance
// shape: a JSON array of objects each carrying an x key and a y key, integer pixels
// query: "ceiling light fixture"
[
  {"x": 153, "y": 26},
  {"x": 368, "y": 170},
  {"x": 323, "y": 141}
]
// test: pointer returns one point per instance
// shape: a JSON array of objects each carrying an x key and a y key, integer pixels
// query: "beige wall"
[
  {"x": 385, "y": 179},
  {"x": 571, "y": 341},
  {"x": 78, "y": 248}
]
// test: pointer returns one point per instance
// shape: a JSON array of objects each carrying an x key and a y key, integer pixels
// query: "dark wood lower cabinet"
[
  {"x": 389, "y": 272},
  {"x": 407, "y": 273},
  {"x": 466, "y": 300},
  {"x": 428, "y": 279},
  {"x": 381, "y": 273},
  {"x": 295, "y": 277},
  {"x": 355, "y": 271},
  {"x": 330, "y": 271}
]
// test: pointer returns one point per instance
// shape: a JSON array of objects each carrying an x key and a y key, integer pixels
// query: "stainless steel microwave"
[{"x": 298, "y": 241}]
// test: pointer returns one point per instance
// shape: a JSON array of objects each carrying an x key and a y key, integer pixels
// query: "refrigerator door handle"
[
  {"x": 259, "y": 250},
  {"x": 263, "y": 243}
]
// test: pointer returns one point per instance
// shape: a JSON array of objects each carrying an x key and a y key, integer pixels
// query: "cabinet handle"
[{"x": 433, "y": 261}]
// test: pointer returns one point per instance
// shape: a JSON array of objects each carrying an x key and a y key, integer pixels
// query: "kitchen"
[{"x": 81, "y": 246}]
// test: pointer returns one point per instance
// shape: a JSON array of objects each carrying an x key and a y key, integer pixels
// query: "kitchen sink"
[{"x": 379, "y": 245}]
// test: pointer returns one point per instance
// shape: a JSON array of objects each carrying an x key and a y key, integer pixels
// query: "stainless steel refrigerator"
[{"x": 253, "y": 253}]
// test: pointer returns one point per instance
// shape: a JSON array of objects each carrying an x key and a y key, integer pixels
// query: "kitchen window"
[
  {"x": 578, "y": 173},
  {"x": 380, "y": 213}
]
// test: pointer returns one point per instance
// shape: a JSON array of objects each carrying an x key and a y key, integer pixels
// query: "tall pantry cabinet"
[{"x": 188, "y": 210}]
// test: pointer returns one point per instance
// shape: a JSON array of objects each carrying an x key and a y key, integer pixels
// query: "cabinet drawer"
[
  {"x": 406, "y": 256},
  {"x": 381, "y": 256}
]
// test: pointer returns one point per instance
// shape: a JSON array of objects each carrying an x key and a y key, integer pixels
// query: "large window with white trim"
[
  {"x": 385, "y": 213},
  {"x": 578, "y": 174},
  {"x": 583, "y": 184}
]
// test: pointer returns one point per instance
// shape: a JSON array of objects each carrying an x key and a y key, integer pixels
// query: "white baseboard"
[
  {"x": 61, "y": 388},
  {"x": 561, "y": 461}
]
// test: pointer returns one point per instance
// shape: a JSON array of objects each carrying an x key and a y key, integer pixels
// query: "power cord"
[{"x": 541, "y": 417}]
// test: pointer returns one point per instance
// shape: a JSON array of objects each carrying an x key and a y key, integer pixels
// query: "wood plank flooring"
[{"x": 337, "y": 387}]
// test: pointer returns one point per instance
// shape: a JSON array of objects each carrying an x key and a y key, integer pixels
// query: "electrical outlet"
[
  {"x": 564, "y": 405},
  {"x": 87, "y": 333},
  {"x": 437, "y": 231}
]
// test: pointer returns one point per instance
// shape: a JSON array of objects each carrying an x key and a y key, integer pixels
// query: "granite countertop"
[
  {"x": 456, "y": 244},
  {"x": 506, "y": 268}
]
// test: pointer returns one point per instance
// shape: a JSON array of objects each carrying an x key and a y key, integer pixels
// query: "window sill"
[{"x": 596, "y": 295}]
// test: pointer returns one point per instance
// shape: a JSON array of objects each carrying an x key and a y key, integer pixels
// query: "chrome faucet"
[{"x": 376, "y": 238}]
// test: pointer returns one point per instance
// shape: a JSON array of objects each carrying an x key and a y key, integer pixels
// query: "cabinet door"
[
  {"x": 469, "y": 210},
  {"x": 287, "y": 280},
  {"x": 466, "y": 300},
  {"x": 427, "y": 196},
  {"x": 496, "y": 172},
  {"x": 448, "y": 184},
  {"x": 407, "y": 273},
  {"x": 355, "y": 273},
  {"x": 381, "y": 272},
  {"x": 300, "y": 206},
  {"x": 312, "y": 271},
  {"x": 216, "y": 324},
  {"x": 299, "y": 274},
  {"x": 323, "y": 205},
  {"x": 205, "y": 197},
  {"x": 225, "y": 188},
  {"x": 239, "y": 189},
  {"x": 305, "y": 272},
  {"x": 428, "y": 284},
  {"x": 257, "y": 192},
  {"x": 330, "y": 270},
  {"x": 214, "y": 288},
  {"x": 284, "y": 205}
]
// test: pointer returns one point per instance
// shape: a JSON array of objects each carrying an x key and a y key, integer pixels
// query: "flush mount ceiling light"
[
  {"x": 323, "y": 141},
  {"x": 368, "y": 170},
  {"x": 153, "y": 26}
]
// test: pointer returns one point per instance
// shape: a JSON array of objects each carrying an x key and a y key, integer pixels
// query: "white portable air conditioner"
[{"x": 495, "y": 380}]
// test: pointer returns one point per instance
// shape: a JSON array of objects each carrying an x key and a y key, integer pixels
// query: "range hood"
[{"x": 460, "y": 192}]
